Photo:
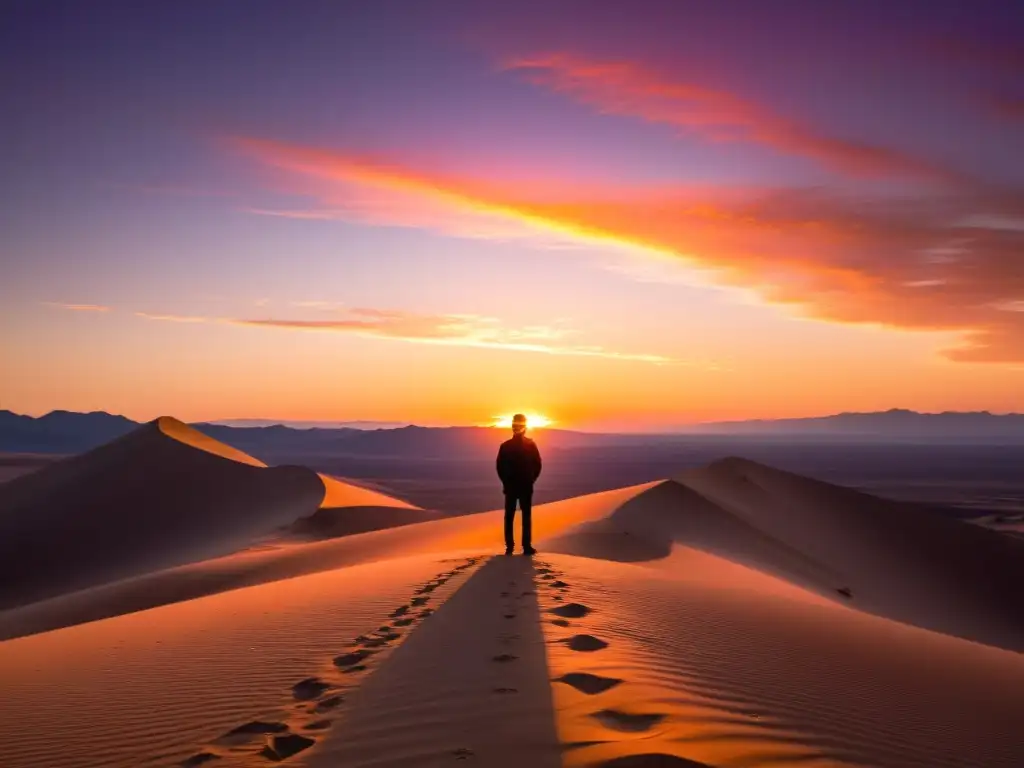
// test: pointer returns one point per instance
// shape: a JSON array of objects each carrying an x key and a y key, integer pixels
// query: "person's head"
[{"x": 519, "y": 424}]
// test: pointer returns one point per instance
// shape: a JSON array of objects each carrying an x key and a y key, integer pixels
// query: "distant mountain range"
[
  {"x": 300, "y": 424},
  {"x": 896, "y": 423},
  {"x": 69, "y": 432}
]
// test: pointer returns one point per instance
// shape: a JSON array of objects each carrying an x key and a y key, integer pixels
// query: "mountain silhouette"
[{"x": 69, "y": 432}]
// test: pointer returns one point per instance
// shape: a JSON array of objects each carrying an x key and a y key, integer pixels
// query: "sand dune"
[
  {"x": 159, "y": 687},
  {"x": 731, "y": 616},
  {"x": 722, "y": 671},
  {"x": 956, "y": 578},
  {"x": 347, "y": 509},
  {"x": 898, "y": 560},
  {"x": 471, "y": 533},
  {"x": 894, "y": 559},
  {"x": 163, "y": 495}
]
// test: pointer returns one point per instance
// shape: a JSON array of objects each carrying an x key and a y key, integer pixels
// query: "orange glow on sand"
[{"x": 533, "y": 420}]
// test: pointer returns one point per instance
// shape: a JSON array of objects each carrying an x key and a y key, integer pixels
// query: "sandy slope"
[
  {"x": 738, "y": 671},
  {"x": 893, "y": 559},
  {"x": 154, "y": 688},
  {"x": 899, "y": 560},
  {"x": 482, "y": 656},
  {"x": 348, "y": 509},
  {"x": 472, "y": 533},
  {"x": 697, "y": 621},
  {"x": 954, "y": 577},
  {"x": 163, "y": 495}
]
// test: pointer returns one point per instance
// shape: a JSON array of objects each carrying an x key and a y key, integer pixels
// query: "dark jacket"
[{"x": 518, "y": 464}]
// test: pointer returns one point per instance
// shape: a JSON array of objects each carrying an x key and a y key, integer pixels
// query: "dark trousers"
[{"x": 525, "y": 500}]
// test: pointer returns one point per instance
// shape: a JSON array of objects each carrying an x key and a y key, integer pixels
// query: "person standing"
[{"x": 519, "y": 467}]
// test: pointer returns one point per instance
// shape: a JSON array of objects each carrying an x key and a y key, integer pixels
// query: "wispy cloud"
[
  {"x": 172, "y": 318},
  {"x": 631, "y": 89},
  {"x": 78, "y": 307},
  {"x": 317, "y": 304},
  {"x": 301, "y": 215},
  {"x": 452, "y": 330},
  {"x": 369, "y": 192},
  {"x": 924, "y": 264}
]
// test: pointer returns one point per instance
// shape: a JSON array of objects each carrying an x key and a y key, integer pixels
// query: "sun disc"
[{"x": 533, "y": 420}]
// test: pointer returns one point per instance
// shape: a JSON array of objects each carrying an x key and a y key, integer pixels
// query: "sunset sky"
[{"x": 624, "y": 215}]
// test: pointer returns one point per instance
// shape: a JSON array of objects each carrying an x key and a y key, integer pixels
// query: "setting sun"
[{"x": 533, "y": 421}]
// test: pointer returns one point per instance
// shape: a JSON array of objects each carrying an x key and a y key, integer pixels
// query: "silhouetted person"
[{"x": 518, "y": 467}]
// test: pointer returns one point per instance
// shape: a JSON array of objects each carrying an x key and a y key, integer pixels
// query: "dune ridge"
[
  {"x": 160, "y": 496},
  {"x": 893, "y": 559},
  {"x": 852, "y": 555}
]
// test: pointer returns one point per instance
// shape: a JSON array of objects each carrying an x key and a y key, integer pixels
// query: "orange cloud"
[
  {"x": 933, "y": 264},
  {"x": 78, "y": 307},
  {"x": 626, "y": 88},
  {"x": 172, "y": 318},
  {"x": 451, "y": 330}
]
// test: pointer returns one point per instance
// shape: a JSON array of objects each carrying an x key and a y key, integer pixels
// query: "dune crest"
[
  {"x": 162, "y": 495},
  {"x": 820, "y": 541},
  {"x": 895, "y": 559},
  {"x": 349, "y": 509},
  {"x": 341, "y": 494},
  {"x": 183, "y": 433}
]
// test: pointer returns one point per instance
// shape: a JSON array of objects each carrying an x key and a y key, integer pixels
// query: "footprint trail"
[{"x": 303, "y": 724}]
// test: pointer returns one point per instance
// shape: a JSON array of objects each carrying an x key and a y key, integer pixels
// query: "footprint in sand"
[
  {"x": 310, "y": 688},
  {"x": 585, "y": 643},
  {"x": 399, "y": 612},
  {"x": 404, "y": 622},
  {"x": 587, "y": 683},
  {"x": 560, "y": 622},
  {"x": 351, "y": 659},
  {"x": 416, "y": 602},
  {"x": 280, "y": 748},
  {"x": 559, "y": 584},
  {"x": 624, "y": 721},
  {"x": 377, "y": 642},
  {"x": 326, "y": 705},
  {"x": 319, "y": 725},
  {"x": 571, "y": 611},
  {"x": 256, "y": 728},
  {"x": 651, "y": 760},
  {"x": 200, "y": 758}
]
